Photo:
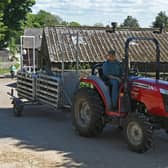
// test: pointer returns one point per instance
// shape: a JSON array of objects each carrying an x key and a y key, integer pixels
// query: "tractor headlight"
[{"x": 164, "y": 91}]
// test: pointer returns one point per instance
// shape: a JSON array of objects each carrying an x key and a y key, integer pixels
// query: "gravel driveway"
[{"x": 43, "y": 138}]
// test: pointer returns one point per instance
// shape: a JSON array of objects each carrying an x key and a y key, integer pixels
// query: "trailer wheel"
[
  {"x": 138, "y": 132},
  {"x": 17, "y": 109},
  {"x": 87, "y": 112}
]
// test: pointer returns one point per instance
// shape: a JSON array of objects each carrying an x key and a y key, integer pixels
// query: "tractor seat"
[
  {"x": 106, "y": 80},
  {"x": 99, "y": 69}
]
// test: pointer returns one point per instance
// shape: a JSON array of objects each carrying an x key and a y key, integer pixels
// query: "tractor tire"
[
  {"x": 138, "y": 132},
  {"x": 88, "y": 112}
]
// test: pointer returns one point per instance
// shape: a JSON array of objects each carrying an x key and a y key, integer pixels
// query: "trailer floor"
[{"x": 44, "y": 138}]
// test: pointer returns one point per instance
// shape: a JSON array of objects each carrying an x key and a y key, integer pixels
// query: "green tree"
[
  {"x": 74, "y": 24},
  {"x": 98, "y": 25},
  {"x": 64, "y": 23},
  {"x": 47, "y": 19},
  {"x": 32, "y": 21},
  {"x": 161, "y": 20},
  {"x": 12, "y": 46},
  {"x": 130, "y": 22},
  {"x": 3, "y": 28},
  {"x": 15, "y": 13},
  {"x": 44, "y": 18}
]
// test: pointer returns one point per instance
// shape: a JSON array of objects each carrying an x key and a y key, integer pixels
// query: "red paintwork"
[
  {"x": 116, "y": 114},
  {"x": 107, "y": 112},
  {"x": 151, "y": 96},
  {"x": 97, "y": 87}
]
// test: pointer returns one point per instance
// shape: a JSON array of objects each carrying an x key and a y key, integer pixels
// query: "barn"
[
  {"x": 4, "y": 55},
  {"x": 93, "y": 44}
]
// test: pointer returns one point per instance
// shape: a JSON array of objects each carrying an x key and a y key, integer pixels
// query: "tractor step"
[{"x": 116, "y": 114}]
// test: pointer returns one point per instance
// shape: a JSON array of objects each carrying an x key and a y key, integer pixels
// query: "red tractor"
[{"x": 142, "y": 104}]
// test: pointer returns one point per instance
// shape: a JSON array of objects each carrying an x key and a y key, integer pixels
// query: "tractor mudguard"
[{"x": 102, "y": 89}]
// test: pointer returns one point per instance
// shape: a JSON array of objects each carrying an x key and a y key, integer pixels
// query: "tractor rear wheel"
[
  {"x": 87, "y": 112},
  {"x": 138, "y": 132}
]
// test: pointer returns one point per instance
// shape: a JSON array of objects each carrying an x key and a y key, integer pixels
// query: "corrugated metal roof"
[
  {"x": 95, "y": 42},
  {"x": 28, "y": 43}
]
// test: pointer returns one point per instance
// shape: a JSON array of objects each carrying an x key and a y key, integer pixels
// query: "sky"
[{"x": 89, "y": 12}]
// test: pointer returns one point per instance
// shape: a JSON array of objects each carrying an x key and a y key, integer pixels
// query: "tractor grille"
[{"x": 165, "y": 100}]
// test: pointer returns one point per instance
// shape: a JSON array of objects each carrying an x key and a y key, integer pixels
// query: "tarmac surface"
[{"x": 44, "y": 138}]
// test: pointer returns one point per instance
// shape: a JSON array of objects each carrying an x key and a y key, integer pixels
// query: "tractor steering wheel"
[{"x": 95, "y": 68}]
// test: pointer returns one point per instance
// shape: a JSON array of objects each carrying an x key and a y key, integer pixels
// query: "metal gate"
[{"x": 41, "y": 88}]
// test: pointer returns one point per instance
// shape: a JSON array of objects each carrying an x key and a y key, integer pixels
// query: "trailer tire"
[
  {"x": 138, "y": 132},
  {"x": 88, "y": 112},
  {"x": 17, "y": 109}
]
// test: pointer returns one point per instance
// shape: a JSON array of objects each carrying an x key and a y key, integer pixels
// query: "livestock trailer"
[{"x": 39, "y": 86}]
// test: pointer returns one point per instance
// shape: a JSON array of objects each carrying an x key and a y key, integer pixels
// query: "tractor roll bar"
[{"x": 155, "y": 41}]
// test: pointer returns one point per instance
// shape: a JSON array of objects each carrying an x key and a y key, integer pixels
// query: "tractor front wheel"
[
  {"x": 87, "y": 111},
  {"x": 138, "y": 132}
]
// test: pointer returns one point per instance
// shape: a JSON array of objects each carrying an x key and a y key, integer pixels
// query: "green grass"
[
  {"x": 4, "y": 71},
  {"x": 7, "y": 70},
  {"x": 17, "y": 65}
]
